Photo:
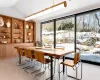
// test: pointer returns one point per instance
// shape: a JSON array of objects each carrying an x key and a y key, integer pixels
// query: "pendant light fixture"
[{"x": 47, "y": 10}]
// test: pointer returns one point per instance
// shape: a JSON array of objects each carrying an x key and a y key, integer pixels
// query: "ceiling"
[
  {"x": 23, "y": 8},
  {"x": 7, "y": 3}
]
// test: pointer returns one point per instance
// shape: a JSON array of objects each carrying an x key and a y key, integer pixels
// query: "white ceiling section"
[
  {"x": 27, "y": 7},
  {"x": 7, "y": 3}
]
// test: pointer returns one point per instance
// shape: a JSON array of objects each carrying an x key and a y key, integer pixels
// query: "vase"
[{"x": 8, "y": 24}]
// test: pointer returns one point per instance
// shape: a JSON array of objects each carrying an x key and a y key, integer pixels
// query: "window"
[
  {"x": 48, "y": 34},
  {"x": 88, "y": 36},
  {"x": 78, "y": 31},
  {"x": 65, "y": 33}
]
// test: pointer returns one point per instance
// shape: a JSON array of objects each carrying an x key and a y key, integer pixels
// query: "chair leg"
[
  {"x": 76, "y": 72},
  {"x": 59, "y": 71},
  {"x": 42, "y": 71},
  {"x": 27, "y": 67},
  {"x": 36, "y": 70},
  {"x": 30, "y": 67},
  {"x": 81, "y": 69},
  {"x": 66, "y": 70}
]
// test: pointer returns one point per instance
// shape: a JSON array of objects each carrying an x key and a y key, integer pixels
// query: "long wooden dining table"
[{"x": 49, "y": 52}]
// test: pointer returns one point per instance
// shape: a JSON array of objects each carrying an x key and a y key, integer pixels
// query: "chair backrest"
[
  {"x": 36, "y": 55},
  {"x": 19, "y": 50},
  {"x": 28, "y": 53},
  {"x": 25, "y": 52},
  {"x": 76, "y": 58},
  {"x": 39, "y": 56}
]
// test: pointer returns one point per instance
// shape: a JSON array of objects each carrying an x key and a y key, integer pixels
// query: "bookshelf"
[
  {"x": 29, "y": 32},
  {"x": 17, "y": 31},
  {"x": 5, "y": 29}
]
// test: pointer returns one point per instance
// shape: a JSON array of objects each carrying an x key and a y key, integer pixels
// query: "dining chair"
[
  {"x": 41, "y": 58},
  {"x": 36, "y": 57},
  {"x": 30, "y": 55},
  {"x": 21, "y": 53},
  {"x": 74, "y": 64}
]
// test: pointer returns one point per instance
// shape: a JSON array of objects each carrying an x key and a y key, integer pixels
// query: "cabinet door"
[
  {"x": 10, "y": 50},
  {"x": 2, "y": 51}
]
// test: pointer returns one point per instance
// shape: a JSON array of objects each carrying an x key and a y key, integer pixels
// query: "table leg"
[
  {"x": 51, "y": 68},
  {"x": 19, "y": 59},
  {"x": 63, "y": 65}
]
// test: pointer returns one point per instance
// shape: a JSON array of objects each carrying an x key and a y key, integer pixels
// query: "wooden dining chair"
[
  {"x": 36, "y": 58},
  {"x": 41, "y": 58},
  {"x": 21, "y": 53},
  {"x": 29, "y": 54},
  {"x": 73, "y": 64}
]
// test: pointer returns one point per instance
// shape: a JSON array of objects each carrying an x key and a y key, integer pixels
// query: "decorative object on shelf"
[
  {"x": 29, "y": 34},
  {"x": 3, "y": 41},
  {"x": 31, "y": 27},
  {"x": 4, "y": 37},
  {"x": 38, "y": 44},
  {"x": 20, "y": 26},
  {"x": 1, "y": 21},
  {"x": 27, "y": 26},
  {"x": 21, "y": 37},
  {"x": 8, "y": 24},
  {"x": 15, "y": 26},
  {"x": 30, "y": 40}
]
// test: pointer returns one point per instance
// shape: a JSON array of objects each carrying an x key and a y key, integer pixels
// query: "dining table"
[{"x": 51, "y": 52}]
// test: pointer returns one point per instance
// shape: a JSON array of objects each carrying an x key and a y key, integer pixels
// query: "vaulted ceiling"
[{"x": 23, "y": 8}]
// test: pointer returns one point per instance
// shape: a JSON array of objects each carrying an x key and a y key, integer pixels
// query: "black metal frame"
[{"x": 61, "y": 18}]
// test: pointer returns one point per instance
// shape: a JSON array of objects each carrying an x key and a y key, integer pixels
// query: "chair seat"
[
  {"x": 68, "y": 63},
  {"x": 30, "y": 57},
  {"x": 46, "y": 61}
]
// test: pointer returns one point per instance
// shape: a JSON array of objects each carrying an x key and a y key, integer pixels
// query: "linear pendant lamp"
[{"x": 47, "y": 10}]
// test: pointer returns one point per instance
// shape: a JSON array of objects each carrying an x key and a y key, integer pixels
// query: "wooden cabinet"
[
  {"x": 29, "y": 32},
  {"x": 5, "y": 29},
  {"x": 17, "y": 31},
  {"x": 8, "y": 50},
  {"x": 14, "y": 32}
]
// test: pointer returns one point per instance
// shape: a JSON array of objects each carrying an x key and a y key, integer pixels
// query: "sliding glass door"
[
  {"x": 88, "y": 36},
  {"x": 48, "y": 34}
]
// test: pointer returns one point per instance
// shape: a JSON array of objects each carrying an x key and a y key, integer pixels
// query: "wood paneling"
[{"x": 8, "y": 50}]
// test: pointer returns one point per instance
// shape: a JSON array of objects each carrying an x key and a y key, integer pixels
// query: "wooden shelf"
[
  {"x": 17, "y": 33},
  {"x": 14, "y": 27},
  {"x": 18, "y": 30},
  {"x": 29, "y": 28},
  {"x": 14, "y": 35},
  {"x": 5, "y": 30}
]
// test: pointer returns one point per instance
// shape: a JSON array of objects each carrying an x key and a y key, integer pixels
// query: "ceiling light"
[{"x": 47, "y": 10}]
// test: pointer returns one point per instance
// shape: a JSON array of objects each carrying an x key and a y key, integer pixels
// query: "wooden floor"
[{"x": 10, "y": 71}]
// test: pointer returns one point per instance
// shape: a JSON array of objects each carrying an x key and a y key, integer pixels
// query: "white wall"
[{"x": 37, "y": 30}]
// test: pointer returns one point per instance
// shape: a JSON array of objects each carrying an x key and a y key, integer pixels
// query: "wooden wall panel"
[{"x": 8, "y": 50}]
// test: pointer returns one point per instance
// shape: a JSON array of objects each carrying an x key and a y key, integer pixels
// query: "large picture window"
[
  {"x": 65, "y": 33},
  {"x": 80, "y": 30},
  {"x": 88, "y": 36},
  {"x": 48, "y": 34}
]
